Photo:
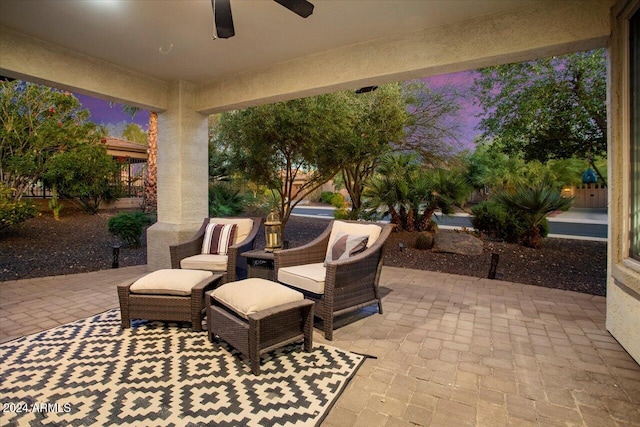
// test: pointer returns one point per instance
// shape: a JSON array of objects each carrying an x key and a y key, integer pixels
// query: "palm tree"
[
  {"x": 150, "y": 200},
  {"x": 390, "y": 188},
  {"x": 446, "y": 190},
  {"x": 411, "y": 194},
  {"x": 534, "y": 203}
]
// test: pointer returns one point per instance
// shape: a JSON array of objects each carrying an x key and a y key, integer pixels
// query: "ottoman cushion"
[
  {"x": 250, "y": 296},
  {"x": 169, "y": 282}
]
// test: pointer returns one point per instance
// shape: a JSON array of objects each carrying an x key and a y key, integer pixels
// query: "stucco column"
[
  {"x": 623, "y": 272},
  {"x": 182, "y": 174}
]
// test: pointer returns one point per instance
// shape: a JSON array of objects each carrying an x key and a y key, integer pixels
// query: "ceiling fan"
[{"x": 224, "y": 20}]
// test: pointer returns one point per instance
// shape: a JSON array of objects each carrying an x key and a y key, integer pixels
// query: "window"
[{"x": 634, "y": 62}]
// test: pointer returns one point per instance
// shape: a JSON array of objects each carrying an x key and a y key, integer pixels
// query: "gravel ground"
[{"x": 80, "y": 243}]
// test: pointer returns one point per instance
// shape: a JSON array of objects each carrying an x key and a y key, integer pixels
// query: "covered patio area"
[
  {"x": 144, "y": 56},
  {"x": 449, "y": 350}
]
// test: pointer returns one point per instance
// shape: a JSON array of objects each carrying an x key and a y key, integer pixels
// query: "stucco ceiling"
[{"x": 172, "y": 40}]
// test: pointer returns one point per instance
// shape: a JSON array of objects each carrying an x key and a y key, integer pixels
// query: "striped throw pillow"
[{"x": 218, "y": 238}]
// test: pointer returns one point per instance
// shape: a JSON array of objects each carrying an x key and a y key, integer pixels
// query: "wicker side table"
[{"x": 260, "y": 264}]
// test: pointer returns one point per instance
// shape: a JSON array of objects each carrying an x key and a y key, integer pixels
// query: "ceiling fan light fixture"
[
  {"x": 223, "y": 19},
  {"x": 300, "y": 7}
]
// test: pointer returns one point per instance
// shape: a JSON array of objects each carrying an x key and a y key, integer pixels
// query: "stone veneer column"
[{"x": 182, "y": 174}]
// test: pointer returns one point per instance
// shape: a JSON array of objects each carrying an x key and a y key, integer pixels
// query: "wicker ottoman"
[
  {"x": 173, "y": 295},
  {"x": 256, "y": 316}
]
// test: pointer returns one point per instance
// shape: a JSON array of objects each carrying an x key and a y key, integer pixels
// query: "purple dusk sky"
[
  {"x": 114, "y": 118},
  {"x": 467, "y": 117},
  {"x": 103, "y": 113}
]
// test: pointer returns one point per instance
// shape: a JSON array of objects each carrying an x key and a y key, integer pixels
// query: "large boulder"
[{"x": 458, "y": 243}]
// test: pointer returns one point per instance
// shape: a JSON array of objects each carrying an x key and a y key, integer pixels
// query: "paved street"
[{"x": 588, "y": 224}]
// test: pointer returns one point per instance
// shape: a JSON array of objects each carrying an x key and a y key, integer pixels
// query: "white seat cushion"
[
  {"x": 371, "y": 230},
  {"x": 244, "y": 226},
  {"x": 169, "y": 282},
  {"x": 250, "y": 296},
  {"x": 209, "y": 262},
  {"x": 308, "y": 277}
]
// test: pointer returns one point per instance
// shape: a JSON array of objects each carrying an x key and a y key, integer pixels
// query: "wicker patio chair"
[
  {"x": 341, "y": 286},
  {"x": 233, "y": 266}
]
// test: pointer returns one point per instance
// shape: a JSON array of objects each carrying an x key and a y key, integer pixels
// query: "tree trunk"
[
  {"x": 425, "y": 223},
  {"x": 150, "y": 200},
  {"x": 597, "y": 171},
  {"x": 354, "y": 188},
  {"x": 395, "y": 219},
  {"x": 532, "y": 238},
  {"x": 411, "y": 220}
]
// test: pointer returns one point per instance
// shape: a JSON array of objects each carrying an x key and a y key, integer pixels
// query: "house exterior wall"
[
  {"x": 549, "y": 27},
  {"x": 623, "y": 281},
  {"x": 26, "y": 58}
]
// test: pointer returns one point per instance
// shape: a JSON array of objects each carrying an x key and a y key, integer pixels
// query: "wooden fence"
[{"x": 588, "y": 196}]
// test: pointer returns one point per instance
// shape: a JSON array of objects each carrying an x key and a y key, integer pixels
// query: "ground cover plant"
[{"x": 80, "y": 243}]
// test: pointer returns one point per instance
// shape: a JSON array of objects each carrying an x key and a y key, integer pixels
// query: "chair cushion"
[
  {"x": 308, "y": 277},
  {"x": 205, "y": 262},
  {"x": 250, "y": 296},
  {"x": 169, "y": 282},
  {"x": 346, "y": 245},
  {"x": 371, "y": 230},
  {"x": 245, "y": 225},
  {"x": 218, "y": 238}
]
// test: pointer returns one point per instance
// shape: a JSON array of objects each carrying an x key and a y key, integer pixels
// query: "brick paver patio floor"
[{"x": 450, "y": 350}]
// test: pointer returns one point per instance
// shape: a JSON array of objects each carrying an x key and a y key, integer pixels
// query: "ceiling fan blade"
[
  {"x": 300, "y": 7},
  {"x": 223, "y": 18}
]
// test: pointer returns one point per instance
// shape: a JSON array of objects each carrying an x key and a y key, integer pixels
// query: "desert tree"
[
  {"x": 37, "y": 123},
  {"x": 278, "y": 144},
  {"x": 550, "y": 108},
  {"x": 376, "y": 123},
  {"x": 431, "y": 126}
]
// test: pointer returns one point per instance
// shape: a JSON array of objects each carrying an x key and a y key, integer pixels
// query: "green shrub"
[
  {"x": 543, "y": 228},
  {"x": 325, "y": 197},
  {"x": 224, "y": 201},
  {"x": 338, "y": 201},
  {"x": 84, "y": 174},
  {"x": 532, "y": 204},
  {"x": 498, "y": 222},
  {"x": 128, "y": 227},
  {"x": 13, "y": 212},
  {"x": 344, "y": 213}
]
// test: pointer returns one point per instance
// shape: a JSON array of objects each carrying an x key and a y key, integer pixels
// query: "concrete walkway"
[
  {"x": 581, "y": 216},
  {"x": 451, "y": 350}
]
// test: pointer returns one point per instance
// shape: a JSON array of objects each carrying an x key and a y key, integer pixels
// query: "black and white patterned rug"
[{"x": 92, "y": 372}]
